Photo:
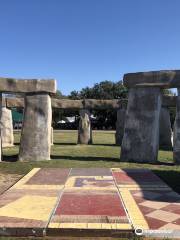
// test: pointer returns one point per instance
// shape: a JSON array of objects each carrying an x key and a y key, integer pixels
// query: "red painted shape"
[
  {"x": 154, "y": 223},
  {"x": 91, "y": 204},
  {"x": 122, "y": 177},
  {"x": 50, "y": 176},
  {"x": 172, "y": 207},
  {"x": 136, "y": 177},
  {"x": 145, "y": 210}
]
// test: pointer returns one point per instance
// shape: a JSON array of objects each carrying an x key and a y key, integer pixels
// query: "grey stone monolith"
[
  {"x": 176, "y": 132},
  {"x": 165, "y": 131},
  {"x": 35, "y": 142},
  {"x": 85, "y": 131},
  {"x": 6, "y": 128},
  {"x": 52, "y": 136},
  {"x": 141, "y": 133},
  {"x": 121, "y": 113}
]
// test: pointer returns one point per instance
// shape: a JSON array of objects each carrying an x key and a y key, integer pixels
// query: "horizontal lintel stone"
[
  {"x": 67, "y": 103},
  {"x": 104, "y": 104},
  {"x": 15, "y": 102},
  {"x": 27, "y": 85},
  {"x": 167, "y": 101},
  {"x": 162, "y": 79}
]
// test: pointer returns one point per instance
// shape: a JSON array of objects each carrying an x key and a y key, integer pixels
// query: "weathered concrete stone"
[
  {"x": 15, "y": 102},
  {"x": 52, "y": 136},
  {"x": 85, "y": 131},
  {"x": 36, "y": 133},
  {"x": 176, "y": 132},
  {"x": 121, "y": 113},
  {"x": 168, "y": 101},
  {"x": 3, "y": 101},
  {"x": 141, "y": 134},
  {"x": 74, "y": 104},
  {"x": 6, "y": 128},
  {"x": 27, "y": 86},
  {"x": 165, "y": 131},
  {"x": 164, "y": 79},
  {"x": 67, "y": 103},
  {"x": 104, "y": 104}
]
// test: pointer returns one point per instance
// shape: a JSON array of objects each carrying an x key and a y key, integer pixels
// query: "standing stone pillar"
[
  {"x": 52, "y": 136},
  {"x": 6, "y": 128},
  {"x": 165, "y": 131},
  {"x": 36, "y": 132},
  {"x": 85, "y": 131},
  {"x": 121, "y": 113},
  {"x": 141, "y": 134},
  {"x": 176, "y": 132}
]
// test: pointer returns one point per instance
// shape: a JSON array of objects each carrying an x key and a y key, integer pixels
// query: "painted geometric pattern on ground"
[
  {"x": 90, "y": 200},
  {"x": 152, "y": 205},
  {"x": 156, "y": 212},
  {"x": 161, "y": 209},
  {"x": 26, "y": 207},
  {"x": 92, "y": 179},
  {"x": 48, "y": 200}
]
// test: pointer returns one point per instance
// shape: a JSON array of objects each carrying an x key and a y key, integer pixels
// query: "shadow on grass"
[
  {"x": 16, "y": 144},
  {"x": 65, "y": 144},
  {"x": 158, "y": 163},
  {"x": 104, "y": 144},
  {"x": 165, "y": 148},
  {"x": 87, "y": 158},
  {"x": 93, "y": 144},
  {"x": 12, "y": 158}
]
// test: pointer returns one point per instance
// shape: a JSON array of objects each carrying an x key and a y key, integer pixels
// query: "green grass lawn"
[{"x": 103, "y": 153}]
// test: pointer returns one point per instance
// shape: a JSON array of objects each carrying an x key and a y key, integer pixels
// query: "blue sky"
[{"x": 81, "y": 42}]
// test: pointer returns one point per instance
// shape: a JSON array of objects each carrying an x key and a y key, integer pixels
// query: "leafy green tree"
[
  {"x": 59, "y": 95},
  {"x": 74, "y": 95},
  {"x": 103, "y": 90}
]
